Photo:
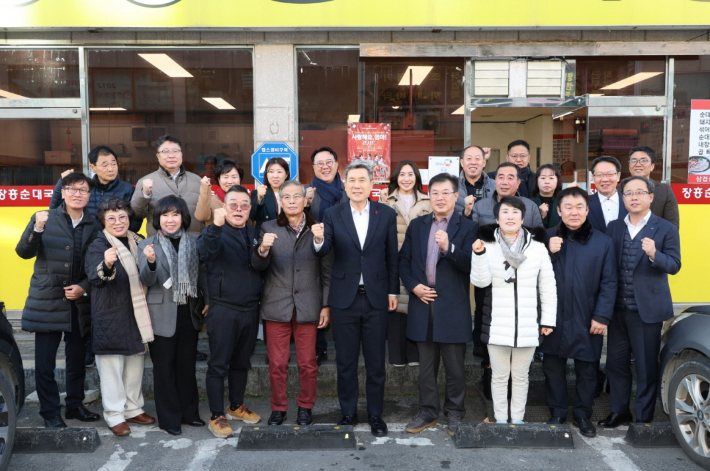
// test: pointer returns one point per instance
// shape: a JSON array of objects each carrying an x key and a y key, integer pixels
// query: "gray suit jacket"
[
  {"x": 482, "y": 213},
  {"x": 162, "y": 308},
  {"x": 665, "y": 204}
]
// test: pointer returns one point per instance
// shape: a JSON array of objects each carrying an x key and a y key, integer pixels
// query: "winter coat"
[
  {"x": 186, "y": 185},
  {"x": 266, "y": 211},
  {"x": 482, "y": 213},
  {"x": 314, "y": 208},
  {"x": 46, "y": 308},
  {"x": 113, "y": 189},
  {"x": 510, "y": 316},
  {"x": 552, "y": 219},
  {"x": 489, "y": 187},
  {"x": 206, "y": 204},
  {"x": 294, "y": 277},
  {"x": 114, "y": 327},
  {"x": 421, "y": 207},
  {"x": 586, "y": 276}
]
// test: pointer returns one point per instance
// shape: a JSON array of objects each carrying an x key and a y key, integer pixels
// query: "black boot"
[{"x": 485, "y": 383}]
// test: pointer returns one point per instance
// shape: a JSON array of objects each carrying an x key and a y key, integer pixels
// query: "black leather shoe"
[
  {"x": 81, "y": 413},
  {"x": 195, "y": 423},
  {"x": 174, "y": 431},
  {"x": 199, "y": 356},
  {"x": 277, "y": 417},
  {"x": 54, "y": 422},
  {"x": 586, "y": 427},
  {"x": 614, "y": 420},
  {"x": 349, "y": 420},
  {"x": 557, "y": 421},
  {"x": 321, "y": 356},
  {"x": 305, "y": 416},
  {"x": 378, "y": 427}
]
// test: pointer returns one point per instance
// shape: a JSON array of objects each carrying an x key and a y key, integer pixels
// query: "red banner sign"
[
  {"x": 691, "y": 194},
  {"x": 25, "y": 196},
  {"x": 371, "y": 142}
]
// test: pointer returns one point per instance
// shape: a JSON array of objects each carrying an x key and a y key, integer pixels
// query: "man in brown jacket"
[{"x": 642, "y": 161}]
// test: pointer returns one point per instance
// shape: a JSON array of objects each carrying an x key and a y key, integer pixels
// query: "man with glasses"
[
  {"x": 234, "y": 287},
  {"x": 474, "y": 183},
  {"x": 57, "y": 305},
  {"x": 170, "y": 178},
  {"x": 327, "y": 190},
  {"x": 519, "y": 154},
  {"x": 642, "y": 161},
  {"x": 292, "y": 304},
  {"x": 605, "y": 205},
  {"x": 647, "y": 251},
  {"x": 435, "y": 266}
]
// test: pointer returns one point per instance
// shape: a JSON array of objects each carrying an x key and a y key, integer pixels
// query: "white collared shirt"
[
  {"x": 634, "y": 230},
  {"x": 610, "y": 207}
]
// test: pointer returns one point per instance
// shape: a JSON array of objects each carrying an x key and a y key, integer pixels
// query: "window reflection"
[{"x": 39, "y": 73}]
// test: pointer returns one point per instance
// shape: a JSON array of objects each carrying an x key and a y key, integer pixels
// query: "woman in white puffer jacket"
[{"x": 516, "y": 264}]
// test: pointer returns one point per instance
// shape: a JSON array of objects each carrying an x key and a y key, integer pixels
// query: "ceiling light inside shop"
[
  {"x": 640, "y": 77},
  {"x": 353, "y": 118},
  {"x": 461, "y": 110},
  {"x": 107, "y": 109},
  {"x": 6, "y": 94},
  {"x": 418, "y": 72},
  {"x": 166, "y": 65},
  {"x": 218, "y": 103}
]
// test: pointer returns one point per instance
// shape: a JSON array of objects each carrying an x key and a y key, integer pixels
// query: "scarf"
[
  {"x": 512, "y": 252},
  {"x": 184, "y": 264},
  {"x": 220, "y": 193},
  {"x": 330, "y": 193},
  {"x": 129, "y": 262}
]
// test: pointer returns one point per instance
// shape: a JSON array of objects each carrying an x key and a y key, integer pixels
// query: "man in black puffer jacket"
[{"x": 57, "y": 304}]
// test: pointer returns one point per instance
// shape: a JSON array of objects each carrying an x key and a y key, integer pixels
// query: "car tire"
[
  {"x": 8, "y": 422},
  {"x": 689, "y": 391}
]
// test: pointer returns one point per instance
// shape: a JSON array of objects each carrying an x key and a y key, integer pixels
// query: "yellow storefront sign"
[{"x": 330, "y": 14}]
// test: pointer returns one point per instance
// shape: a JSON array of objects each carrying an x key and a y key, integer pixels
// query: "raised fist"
[
  {"x": 468, "y": 204},
  {"x": 205, "y": 181},
  {"x": 310, "y": 194},
  {"x": 384, "y": 193},
  {"x": 110, "y": 257},
  {"x": 555, "y": 244},
  {"x": 268, "y": 241},
  {"x": 260, "y": 192},
  {"x": 149, "y": 253},
  {"x": 147, "y": 186},
  {"x": 41, "y": 219},
  {"x": 67, "y": 172},
  {"x": 318, "y": 231},
  {"x": 219, "y": 216},
  {"x": 544, "y": 209},
  {"x": 479, "y": 246}
]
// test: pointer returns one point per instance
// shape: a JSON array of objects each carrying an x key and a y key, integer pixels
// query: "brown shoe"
[
  {"x": 121, "y": 430},
  {"x": 143, "y": 419}
]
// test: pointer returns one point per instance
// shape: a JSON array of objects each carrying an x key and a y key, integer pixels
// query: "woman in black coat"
[
  {"x": 119, "y": 316},
  {"x": 265, "y": 198}
]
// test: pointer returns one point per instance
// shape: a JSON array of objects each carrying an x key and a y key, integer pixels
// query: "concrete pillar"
[{"x": 274, "y": 95}]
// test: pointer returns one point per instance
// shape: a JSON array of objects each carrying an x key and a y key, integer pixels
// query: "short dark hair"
[
  {"x": 477, "y": 147},
  {"x": 166, "y": 138},
  {"x": 519, "y": 142},
  {"x": 606, "y": 158},
  {"x": 511, "y": 165},
  {"x": 513, "y": 201},
  {"x": 574, "y": 192},
  {"x": 276, "y": 161},
  {"x": 211, "y": 158},
  {"x": 649, "y": 183},
  {"x": 555, "y": 170},
  {"x": 170, "y": 203},
  {"x": 77, "y": 177},
  {"x": 226, "y": 166},
  {"x": 645, "y": 149},
  {"x": 444, "y": 177},
  {"x": 323, "y": 149},
  {"x": 236, "y": 189},
  {"x": 113, "y": 204},
  {"x": 394, "y": 184},
  {"x": 100, "y": 150}
]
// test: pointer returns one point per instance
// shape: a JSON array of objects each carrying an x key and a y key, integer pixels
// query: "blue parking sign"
[{"x": 272, "y": 149}]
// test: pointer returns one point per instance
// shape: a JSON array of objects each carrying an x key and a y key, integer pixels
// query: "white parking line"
[
  {"x": 116, "y": 463},
  {"x": 615, "y": 459},
  {"x": 206, "y": 453}
]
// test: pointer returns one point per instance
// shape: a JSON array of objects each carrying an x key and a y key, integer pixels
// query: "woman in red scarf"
[{"x": 228, "y": 174}]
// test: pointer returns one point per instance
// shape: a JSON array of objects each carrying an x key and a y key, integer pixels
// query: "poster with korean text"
[
  {"x": 699, "y": 146},
  {"x": 371, "y": 142}
]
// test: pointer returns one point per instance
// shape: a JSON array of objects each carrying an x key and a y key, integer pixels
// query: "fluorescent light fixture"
[
  {"x": 107, "y": 109},
  {"x": 166, "y": 65},
  {"x": 6, "y": 94},
  {"x": 353, "y": 118},
  {"x": 562, "y": 115},
  {"x": 419, "y": 73},
  {"x": 461, "y": 110},
  {"x": 218, "y": 103},
  {"x": 640, "y": 77}
]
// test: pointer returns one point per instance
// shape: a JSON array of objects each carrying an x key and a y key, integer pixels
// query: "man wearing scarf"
[{"x": 326, "y": 190}]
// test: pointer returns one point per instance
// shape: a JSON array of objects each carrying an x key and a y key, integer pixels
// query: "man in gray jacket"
[
  {"x": 291, "y": 303},
  {"x": 170, "y": 179},
  {"x": 474, "y": 183}
]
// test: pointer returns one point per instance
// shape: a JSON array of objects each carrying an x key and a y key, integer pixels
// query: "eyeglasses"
[
  {"x": 639, "y": 161},
  {"x": 296, "y": 197},
  {"x": 629, "y": 194},
  {"x": 72, "y": 190},
  {"x": 112, "y": 220},
  {"x": 327, "y": 163},
  {"x": 518, "y": 156},
  {"x": 170, "y": 151},
  {"x": 235, "y": 206},
  {"x": 443, "y": 194},
  {"x": 606, "y": 175}
]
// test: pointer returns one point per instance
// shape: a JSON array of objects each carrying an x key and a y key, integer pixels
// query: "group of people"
[{"x": 552, "y": 269}]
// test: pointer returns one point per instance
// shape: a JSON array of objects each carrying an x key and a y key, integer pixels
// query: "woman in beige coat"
[
  {"x": 227, "y": 174},
  {"x": 406, "y": 196}
]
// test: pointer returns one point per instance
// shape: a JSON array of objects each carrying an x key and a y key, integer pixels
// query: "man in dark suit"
[
  {"x": 605, "y": 205},
  {"x": 648, "y": 250},
  {"x": 364, "y": 287},
  {"x": 435, "y": 265},
  {"x": 642, "y": 161}
]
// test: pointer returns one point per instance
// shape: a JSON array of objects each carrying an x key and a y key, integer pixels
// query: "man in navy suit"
[
  {"x": 605, "y": 205},
  {"x": 364, "y": 287},
  {"x": 435, "y": 266},
  {"x": 648, "y": 250}
]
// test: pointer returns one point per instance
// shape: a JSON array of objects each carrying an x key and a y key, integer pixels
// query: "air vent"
[
  {"x": 490, "y": 78},
  {"x": 544, "y": 78}
]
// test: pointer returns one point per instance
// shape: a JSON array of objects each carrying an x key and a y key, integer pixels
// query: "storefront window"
[
  {"x": 692, "y": 82},
  {"x": 39, "y": 73},
  {"x": 621, "y": 76},
  {"x": 203, "y": 97}
]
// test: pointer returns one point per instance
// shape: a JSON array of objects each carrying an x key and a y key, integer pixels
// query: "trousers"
[
  {"x": 509, "y": 362},
  {"x": 121, "y": 379}
]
